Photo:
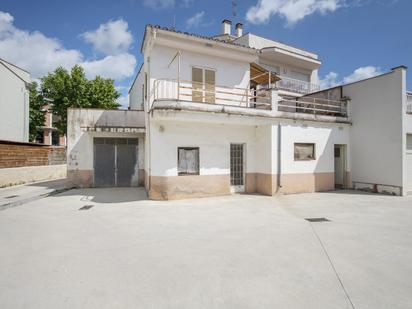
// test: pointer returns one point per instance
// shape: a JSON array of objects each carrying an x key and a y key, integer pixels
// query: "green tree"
[
  {"x": 36, "y": 112},
  {"x": 73, "y": 89}
]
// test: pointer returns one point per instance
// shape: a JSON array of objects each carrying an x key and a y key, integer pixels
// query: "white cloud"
[
  {"x": 112, "y": 66},
  {"x": 111, "y": 38},
  {"x": 159, "y": 4},
  {"x": 186, "y": 3},
  {"x": 196, "y": 20},
  {"x": 332, "y": 80},
  {"x": 123, "y": 101},
  {"x": 40, "y": 54},
  {"x": 292, "y": 10},
  {"x": 166, "y": 4},
  {"x": 362, "y": 73},
  {"x": 33, "y": 50}
]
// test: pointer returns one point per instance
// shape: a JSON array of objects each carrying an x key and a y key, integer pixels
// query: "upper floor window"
[{"x": 203, "y": 85}]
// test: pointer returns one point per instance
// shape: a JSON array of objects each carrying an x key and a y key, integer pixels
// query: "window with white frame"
[
  {"x": 188, "y": 161},
  {"x": 203, "y": 85},
  {"x": 304, "y": 151}
]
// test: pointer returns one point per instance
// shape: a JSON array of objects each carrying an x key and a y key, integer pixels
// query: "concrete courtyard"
[{"x": 241, "y": 251}]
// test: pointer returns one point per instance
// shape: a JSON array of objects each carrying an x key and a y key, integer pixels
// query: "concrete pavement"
[
  {"x": 240, "y": 251},
  {"x": 18, "y": 195}
]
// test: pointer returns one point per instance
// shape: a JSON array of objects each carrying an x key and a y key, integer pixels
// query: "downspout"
[{"x": 279, "y": 175}]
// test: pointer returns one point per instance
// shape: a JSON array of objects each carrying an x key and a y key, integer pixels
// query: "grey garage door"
[{"x": 115, "y": 162}]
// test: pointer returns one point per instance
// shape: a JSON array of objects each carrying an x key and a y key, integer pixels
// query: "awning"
[{"x": 260, "y": 75}]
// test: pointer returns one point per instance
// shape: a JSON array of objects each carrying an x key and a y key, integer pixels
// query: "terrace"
[{"x": 260, "y": 98}]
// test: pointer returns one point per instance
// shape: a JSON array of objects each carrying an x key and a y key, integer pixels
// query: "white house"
[
  {"x": 14, "y": 102},
  {"x": 241, "y": 113}
]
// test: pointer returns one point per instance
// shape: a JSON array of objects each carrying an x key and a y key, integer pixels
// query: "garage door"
[
  {"x": 409, "y": 161},
  {"x": 115, "y": 162}
]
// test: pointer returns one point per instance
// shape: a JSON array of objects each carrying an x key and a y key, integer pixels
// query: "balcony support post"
[{"x": 274, "y": 97}]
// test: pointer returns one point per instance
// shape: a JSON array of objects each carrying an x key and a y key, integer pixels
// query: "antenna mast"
[{"x": 234, "y": 8}]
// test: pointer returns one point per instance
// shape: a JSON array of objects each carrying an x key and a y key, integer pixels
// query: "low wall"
[
  {"x": 20, "y": 175},
  {"x": 15, "y": 154}
]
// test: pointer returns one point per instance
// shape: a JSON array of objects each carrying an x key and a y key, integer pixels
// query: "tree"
[
  {"x": 73, "y": 89},
  {"x": 36, "y": 112}
]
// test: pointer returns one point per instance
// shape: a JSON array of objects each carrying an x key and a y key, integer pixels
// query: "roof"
[
  {"x": 208, "y": 38},
  {"x": 15, "y": 70}
]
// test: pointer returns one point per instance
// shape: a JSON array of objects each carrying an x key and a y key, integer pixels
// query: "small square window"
[
  {"x": 188, "y": 161},
  {"x": 304, "y": 151}
]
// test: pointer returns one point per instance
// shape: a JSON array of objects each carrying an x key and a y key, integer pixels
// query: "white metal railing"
[
  {"x": 171, "y": 89},
  {"x": 295, "y": 85},
  {"x": 409, "y": 103},
  {"x": 316, "y": 106}
]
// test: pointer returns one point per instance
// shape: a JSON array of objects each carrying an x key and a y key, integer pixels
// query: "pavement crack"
[{"x": 332, "y": 265}]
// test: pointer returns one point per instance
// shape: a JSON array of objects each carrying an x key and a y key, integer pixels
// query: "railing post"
[{"x": 274, "y": 99}]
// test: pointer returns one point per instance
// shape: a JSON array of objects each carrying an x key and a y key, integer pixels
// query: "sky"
[{"x": 354, "y": 39}]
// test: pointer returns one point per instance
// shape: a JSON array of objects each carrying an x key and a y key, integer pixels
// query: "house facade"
[
  {"x": 241, "y": 113},
  {"x": 48, "y": 134},
  {"x": 14, "y": 102}
]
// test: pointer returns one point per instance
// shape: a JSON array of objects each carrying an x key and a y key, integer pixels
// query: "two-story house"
[
  {"x": 14, "y": 102},
  {"x": 241, "y": 113}
]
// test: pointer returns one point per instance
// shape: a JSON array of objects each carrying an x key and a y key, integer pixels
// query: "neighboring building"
[
  {"x": 14, "y": 102},
  {"x": 241, "y": 113},
  {"x": 48, "y": 133}
]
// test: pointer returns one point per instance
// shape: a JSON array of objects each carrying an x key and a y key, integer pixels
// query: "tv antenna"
[{"x": 234, "y": 8}]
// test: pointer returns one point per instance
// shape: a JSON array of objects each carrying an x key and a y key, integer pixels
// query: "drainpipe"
[{"x": 279, "y": 176}]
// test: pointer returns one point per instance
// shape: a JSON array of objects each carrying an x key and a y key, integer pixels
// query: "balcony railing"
[
  {"x": 315, "y": 106},
  {"x": 295, "y": 85},
  {"x": 409, "y": 103},
  {"x": 170, "y": 89}
]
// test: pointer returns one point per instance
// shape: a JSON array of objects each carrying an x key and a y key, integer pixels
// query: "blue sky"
[{"x": 353, "y": 38}]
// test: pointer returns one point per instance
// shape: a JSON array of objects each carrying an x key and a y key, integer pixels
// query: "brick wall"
[{"x": 14, "y": 154}]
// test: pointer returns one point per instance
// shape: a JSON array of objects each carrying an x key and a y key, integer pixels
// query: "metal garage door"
[
  {"x": 409, "y": 161},
  {"x": 115, "y": 162}
]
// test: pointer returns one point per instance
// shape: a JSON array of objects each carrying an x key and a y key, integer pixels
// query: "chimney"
[
  {"x": 226, "y": 25},
  {"x": 239, "y": 29}
]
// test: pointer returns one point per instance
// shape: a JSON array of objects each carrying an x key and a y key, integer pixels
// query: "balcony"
[
  {"x": 297, "y": 86},
  {"x": 170, "y": 89},
  {"x": 409, "y": 103},
  {"x": 264, "y": 102}
]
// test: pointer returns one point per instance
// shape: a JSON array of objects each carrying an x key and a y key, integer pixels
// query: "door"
[
  {"x": 409, "y": 163},
  {"x": 126, "y": 163},
  {"x": 104, "y": 162},
  {"x": 340, "y": 166},
  {"x": 115, "y": 162},
  {"x": 237, "y": 168}
]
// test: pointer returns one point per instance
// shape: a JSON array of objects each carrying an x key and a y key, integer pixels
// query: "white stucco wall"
[
  {"x": 14, "y": 106},
  {"x": 80, "y": 142},
  {"x": 377, "y": 138},
  {"x": 213, "y": 141},
  {"x": 323, "y": 136},
  {"x": 228, "y": 72},
  {"x": 136, "y": 93},
  {"x": 259, "y": 42}
]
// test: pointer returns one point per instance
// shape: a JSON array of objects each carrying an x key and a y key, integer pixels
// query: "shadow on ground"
[{"x": 108, "y": 195}]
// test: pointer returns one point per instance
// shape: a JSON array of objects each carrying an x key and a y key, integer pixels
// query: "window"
[
  {"x": 188, "y": 161},
  {"x": 203, "y": 84},
  {"x": 304, "y": 151}
]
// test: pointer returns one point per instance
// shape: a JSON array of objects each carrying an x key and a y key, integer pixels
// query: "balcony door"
[{"x": 203, "y": 85}]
